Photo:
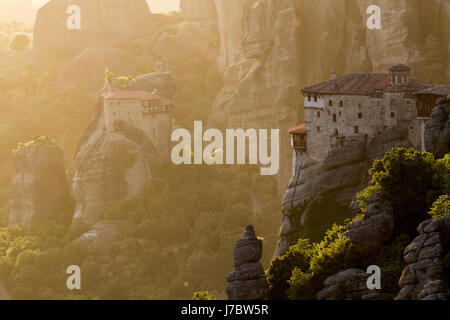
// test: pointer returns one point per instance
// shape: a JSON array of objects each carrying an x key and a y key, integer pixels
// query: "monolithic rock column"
[
  {"x": 247, "y": 281},
  {"x": 39, "y": 188}
]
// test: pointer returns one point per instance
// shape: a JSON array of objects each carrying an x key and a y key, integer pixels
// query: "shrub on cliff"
[
  {"x": 281, "y": 268},
  {"x": 203, "y": 295},
  {"x": 333, "y": 254},
  {"x": 441, "y": 208}
]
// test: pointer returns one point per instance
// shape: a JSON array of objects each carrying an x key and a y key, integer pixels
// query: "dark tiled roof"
[
  {"x": 301, "y": 129},
  {"x": 413, "y": 86},
  {"x": 353, "y": 83},
  {"x": 400, "y": 67},
  {"x": 435, "y": 90},
  {"x": 363, "y": 84}
]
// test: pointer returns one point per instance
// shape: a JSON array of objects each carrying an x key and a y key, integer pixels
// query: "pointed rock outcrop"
[{"x": 248, "y": 280}]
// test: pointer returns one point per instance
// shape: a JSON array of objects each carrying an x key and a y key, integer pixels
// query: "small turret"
[{"x": 399, "y": 75}]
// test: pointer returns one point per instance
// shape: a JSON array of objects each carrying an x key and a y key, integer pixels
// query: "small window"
[
  {"x": 360, "y": 115},
  {"x": 309, "y": 98},
  {"x": 340, "y": 114},
  {"x": 318, "y": 114},
  {"x": 359, "y": 106},
  {"x": 318, "y": 129},
  {"x": 330, "y": 103},
  {"x": 392, "y": 114},
  {"x": 315, "y": 98},
  {"x": 356, "y": 129},
  {"x": 341, "y": 103},
  {"x": 334, "y": 117},
  {"x": 336, "y": 132}
]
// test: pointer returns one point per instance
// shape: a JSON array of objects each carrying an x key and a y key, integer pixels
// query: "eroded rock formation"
[
  {"x": 376, "y": 229},
  {"x": 350, "y": 284},
  {"x": 437, "y": 132},
  {"x": 339, "y": 176},
  {"x": 86, "y": 71},
  {"x": 423, "y": 278},
  {"x": 39, "y": 188},
  {"x": 248, "y": 280},
  {"x": 117, "y": 20},
  {"x": 260, "y": 47},
  {"x": 114, "y": 166}
]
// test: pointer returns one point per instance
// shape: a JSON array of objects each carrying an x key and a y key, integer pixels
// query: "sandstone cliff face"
[
  {"x": 229, "y": 16},
  {"x": 340, "y": 176},
  {"x": 262, "y": 81},
  {"x": 39, "y": 188},
  {"x": 114, "y": 166},
  {"x": 118, "y": 20},
  {"x": 437, "y": 132},
  {"x": 86, "y": 71},
  {"x": 423, "y": 278}
]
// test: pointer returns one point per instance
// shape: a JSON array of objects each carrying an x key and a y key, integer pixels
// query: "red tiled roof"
[
  {"x": 363, "y": 84},
  {"x": 135, "y": 95},
  {"x": 301, "y": 129}
]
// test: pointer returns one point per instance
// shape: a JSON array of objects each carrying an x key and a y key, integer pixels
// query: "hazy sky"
[{"x": 155, "y": 5}]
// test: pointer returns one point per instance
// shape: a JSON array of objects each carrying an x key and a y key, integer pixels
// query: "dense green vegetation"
[
  {"x": 412, "y": 181},
  {"x": 178, "y": 238}
]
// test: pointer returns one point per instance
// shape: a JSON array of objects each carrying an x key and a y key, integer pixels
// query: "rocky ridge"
[
  {"x": 354, "y": 287},
  {"x": 423, "y": 278}
]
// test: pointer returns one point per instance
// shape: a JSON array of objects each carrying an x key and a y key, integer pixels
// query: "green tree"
[
  {"x": 20, "y": 42},
  {"x": 411, "y": 180}
]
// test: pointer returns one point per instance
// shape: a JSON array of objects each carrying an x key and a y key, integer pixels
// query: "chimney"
[{"x": 333, "y": 75}]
